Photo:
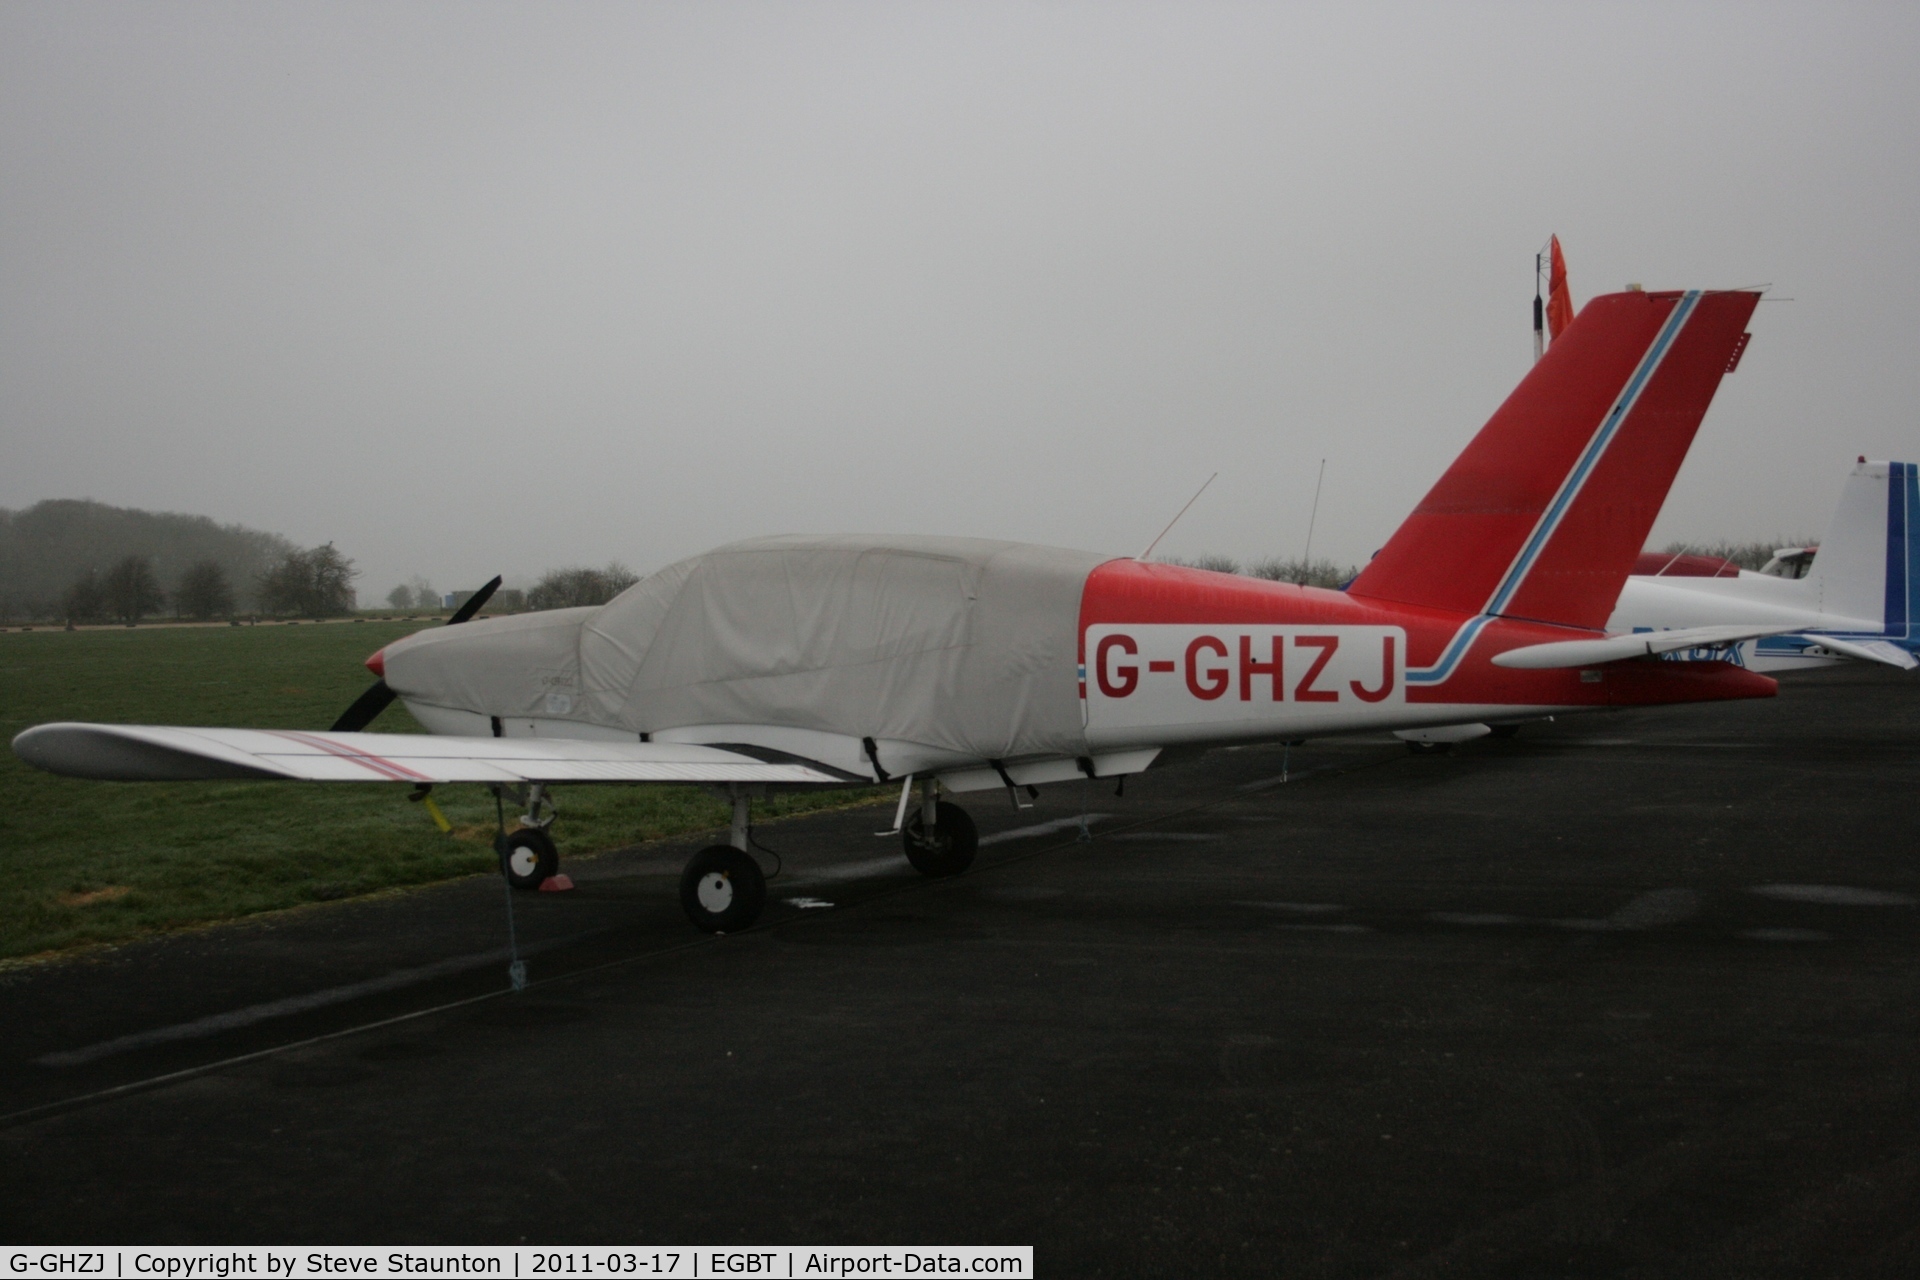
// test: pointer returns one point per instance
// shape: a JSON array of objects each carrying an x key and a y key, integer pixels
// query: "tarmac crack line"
[{"x": 246, "y": 1016}]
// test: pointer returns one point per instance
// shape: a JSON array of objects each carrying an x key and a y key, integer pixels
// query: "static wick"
[{"x": 1176, "y": 518}]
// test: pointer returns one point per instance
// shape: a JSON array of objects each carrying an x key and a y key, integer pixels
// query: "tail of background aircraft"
[
  {"x": 1543, "y": 514},
  {"x": 1868, "y": 566}
]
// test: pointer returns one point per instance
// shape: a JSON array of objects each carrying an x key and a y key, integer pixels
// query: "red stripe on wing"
[{"x": 389, "y": 769}]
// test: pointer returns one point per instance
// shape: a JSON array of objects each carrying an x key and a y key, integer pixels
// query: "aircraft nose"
[{"x": 378, "y": 663}]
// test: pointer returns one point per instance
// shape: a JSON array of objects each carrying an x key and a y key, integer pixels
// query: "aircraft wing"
[{"x": 165, "y": 753}]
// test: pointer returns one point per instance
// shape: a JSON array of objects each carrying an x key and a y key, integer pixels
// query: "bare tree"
[
  {"x": 1319, "y": 573},
  {"x": 1216, "y": 564},
  {"x": 1748, "y": 555},
  {"x": 130, "y": 589},
  {"x": 572, "y": 588},
  {"x": 204, "y": 591},
  {"x": 85, "y": 600},
  {"x": 333, "y": 576},
  {"x": 282, "y": 587},
  {"x": 313, "y": 584}
]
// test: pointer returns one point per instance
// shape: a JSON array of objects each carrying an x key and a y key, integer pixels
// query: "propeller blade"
[
  {"x": 371, "y": 703},
  {"x": 364, "y": 709},
  {"x": 474, "y": 602}
]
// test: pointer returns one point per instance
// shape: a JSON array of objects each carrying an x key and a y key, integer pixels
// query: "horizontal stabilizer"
[
  {"x": 1641, "y": 644},
  {"x": 1868, "y": 651},
  {"x": 165, "y": 753}
]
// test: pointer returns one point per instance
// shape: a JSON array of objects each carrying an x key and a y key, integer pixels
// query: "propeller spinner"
[{"x": 375, "y": 699}]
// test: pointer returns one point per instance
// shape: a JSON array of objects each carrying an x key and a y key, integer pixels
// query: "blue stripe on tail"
[
  {"x": 1910, "y": 554},
  {"x": 1895, "y": 614}
]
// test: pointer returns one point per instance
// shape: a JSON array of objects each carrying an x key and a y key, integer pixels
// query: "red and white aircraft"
[{"x": 967, "y": 664}]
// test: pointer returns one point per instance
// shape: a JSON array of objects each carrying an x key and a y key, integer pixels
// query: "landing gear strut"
[
  {"x": 940, "y": 838},
  {"x": 723, "y": 888}
]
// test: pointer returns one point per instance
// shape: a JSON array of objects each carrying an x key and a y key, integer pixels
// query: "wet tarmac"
[{"x": 1633, "y": 994}]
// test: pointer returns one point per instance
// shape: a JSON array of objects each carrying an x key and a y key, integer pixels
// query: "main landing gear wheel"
[
  {"x": 948, "y": 849},
  {"x": 1429, "y": 748},
  {"x": 528, "y": 858},
  {"x": 722, "y": 889},
  {"x": 1503, "y": 730}
]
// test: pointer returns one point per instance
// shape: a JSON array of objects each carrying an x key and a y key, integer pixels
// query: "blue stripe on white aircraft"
[{"x": 1857, "y": 600}]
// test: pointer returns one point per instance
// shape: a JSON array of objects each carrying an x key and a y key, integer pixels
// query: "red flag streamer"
[{"x": 1559, "y": 302}]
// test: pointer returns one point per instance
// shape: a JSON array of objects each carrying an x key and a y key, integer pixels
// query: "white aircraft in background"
[
  {"x": 967, "y": 664},
  {"x": 1855, "y": 598}
]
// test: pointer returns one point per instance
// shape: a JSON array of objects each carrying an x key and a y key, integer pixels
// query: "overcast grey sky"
[{"x": 474, "y": 288}]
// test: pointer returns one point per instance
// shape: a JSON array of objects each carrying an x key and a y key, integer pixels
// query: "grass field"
[{"x": 88, "y": 862}]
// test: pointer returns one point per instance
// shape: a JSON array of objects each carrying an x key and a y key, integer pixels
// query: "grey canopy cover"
[{"x": 958, "y": 643}]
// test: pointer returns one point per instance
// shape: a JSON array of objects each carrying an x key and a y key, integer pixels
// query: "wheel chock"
[{"x": 556, "y": 884}]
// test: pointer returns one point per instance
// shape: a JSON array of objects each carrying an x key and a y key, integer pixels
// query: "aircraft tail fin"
[
  {"x": 1868, "y": 566},
  {"x": 1543, "y": 514}
]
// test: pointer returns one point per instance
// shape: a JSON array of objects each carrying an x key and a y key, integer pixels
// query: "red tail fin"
[{"x": 1543, "y": 513}]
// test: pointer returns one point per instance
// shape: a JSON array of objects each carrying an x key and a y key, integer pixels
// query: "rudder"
[
  {"x": 1543, "y": 513},
  {"x": 1869, "y": 559}
]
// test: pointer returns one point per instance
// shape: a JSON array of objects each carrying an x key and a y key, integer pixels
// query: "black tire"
[
  {"x": 949, "y": 850},
  {"x": 722, "y": 889},
  {"x": 1503, "y": 730},
  {"x": 528, "y": 858},
  {"x": 1429, "y": 748}
]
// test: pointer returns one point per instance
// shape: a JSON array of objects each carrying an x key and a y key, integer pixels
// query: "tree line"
[
  {"x": 46, "y": 549},
  {"x": 1297, "y": 570},
  {"x": 1748, "y": 555},
  {"x": 1329, "y": 573},
  {"x": 312, "y": 583},
  {"x": 315, "y": 583},
  {"x": 318, "y": 583},
  {"x": 569, "y": 588}
]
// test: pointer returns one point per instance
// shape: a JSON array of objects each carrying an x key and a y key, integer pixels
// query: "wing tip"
[{"x": 120, "y": 753}]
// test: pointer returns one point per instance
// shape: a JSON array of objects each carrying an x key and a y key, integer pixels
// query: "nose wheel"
[{"x": 528, "y": 858}]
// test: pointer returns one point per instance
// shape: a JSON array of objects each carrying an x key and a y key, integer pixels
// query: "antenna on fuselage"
[
  {"x": 1306, "y": 557},
  {"x": 1176, "y": 518}
]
